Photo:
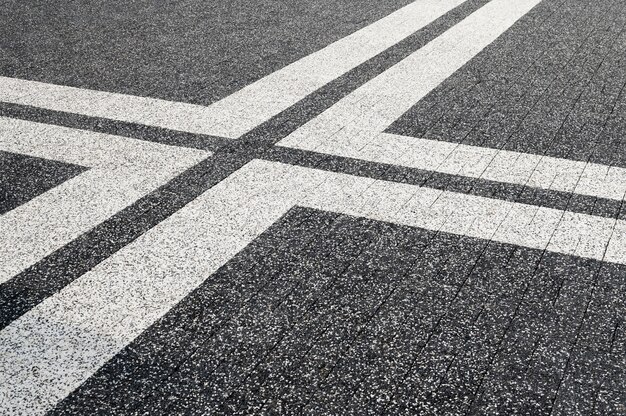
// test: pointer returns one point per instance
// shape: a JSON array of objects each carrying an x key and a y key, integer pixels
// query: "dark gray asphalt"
[
  {"x": 191, "y": 51},
  {"x": 561, "y": 94},
  {"x": 23, "y": 177},
  {"x": 52, "y": 273},
  {"x": 327, "y": 313}
]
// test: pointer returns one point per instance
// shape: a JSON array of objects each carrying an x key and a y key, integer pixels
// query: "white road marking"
[
  {"x": 71, "y": 334},
  {"x": 247, "y": 108},
  {"x": 68, "y": 336},
  {"x": 499, "y": 165},
  {"x": 352, "y": 127},
  {"x": 379, "y": 102},
  {"x": 122, "y": 170}
]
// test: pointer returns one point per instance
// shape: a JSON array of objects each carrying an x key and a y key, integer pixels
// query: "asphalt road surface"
[{"x": 312, "y": 207}]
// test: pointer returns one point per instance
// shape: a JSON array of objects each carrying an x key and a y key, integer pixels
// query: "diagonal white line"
[
  {"x": 499, "y": 165},
  {"x": 122, "y": 170},
  {"x": 352, "y": 127},
  {"x": 379, "y": 102},
  {"x": 105, "y": 309},
  {"x": 245, "y": 109},
  {"x": 70, "y": 335}
]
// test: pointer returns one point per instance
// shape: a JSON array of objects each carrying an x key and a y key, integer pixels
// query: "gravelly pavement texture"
[
  {"x": 264, "y": 207},
  {"x": 191, "y": 51},
  {"x": 25, "y": 177}
]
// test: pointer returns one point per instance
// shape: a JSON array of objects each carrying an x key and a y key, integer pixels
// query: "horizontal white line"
[
  {"x": 505, "y": 166},
  {"x": 122, "y": 170},
  {"x": 245, "y": 109},
  {"x": 90, "y": 149},
  {"x": 105, "y": 309},
  {"x": 351, "y": 127}
]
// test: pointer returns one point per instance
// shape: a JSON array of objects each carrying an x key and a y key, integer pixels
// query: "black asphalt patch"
[
  {"x": 553, "y": 84},
  {"x": 189, "y": 51},
  {"x": 22, "y": 178},
  {"x": 331, "y": 314}
]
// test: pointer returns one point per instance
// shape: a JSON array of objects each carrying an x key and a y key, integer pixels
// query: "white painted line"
[
  {"x": 122, "y": 170},
  {"x": 379, "y": 102},
  {"x": 71, "y": 334},
  {"x": 352, "y": 127},
  {"x": 533, "y": 170},
  {"x": 245, "y": 109}
]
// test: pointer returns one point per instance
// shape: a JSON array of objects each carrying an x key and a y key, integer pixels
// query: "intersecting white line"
[
  {"x": 379, "y": 102},
  {"x": 245, "y": 109},
  {"x": 71, "y": 334},
  {"x": 352, "y": 127},
  {"x": 499, "y": 165},
  {"x": 122, "y": 170}
]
